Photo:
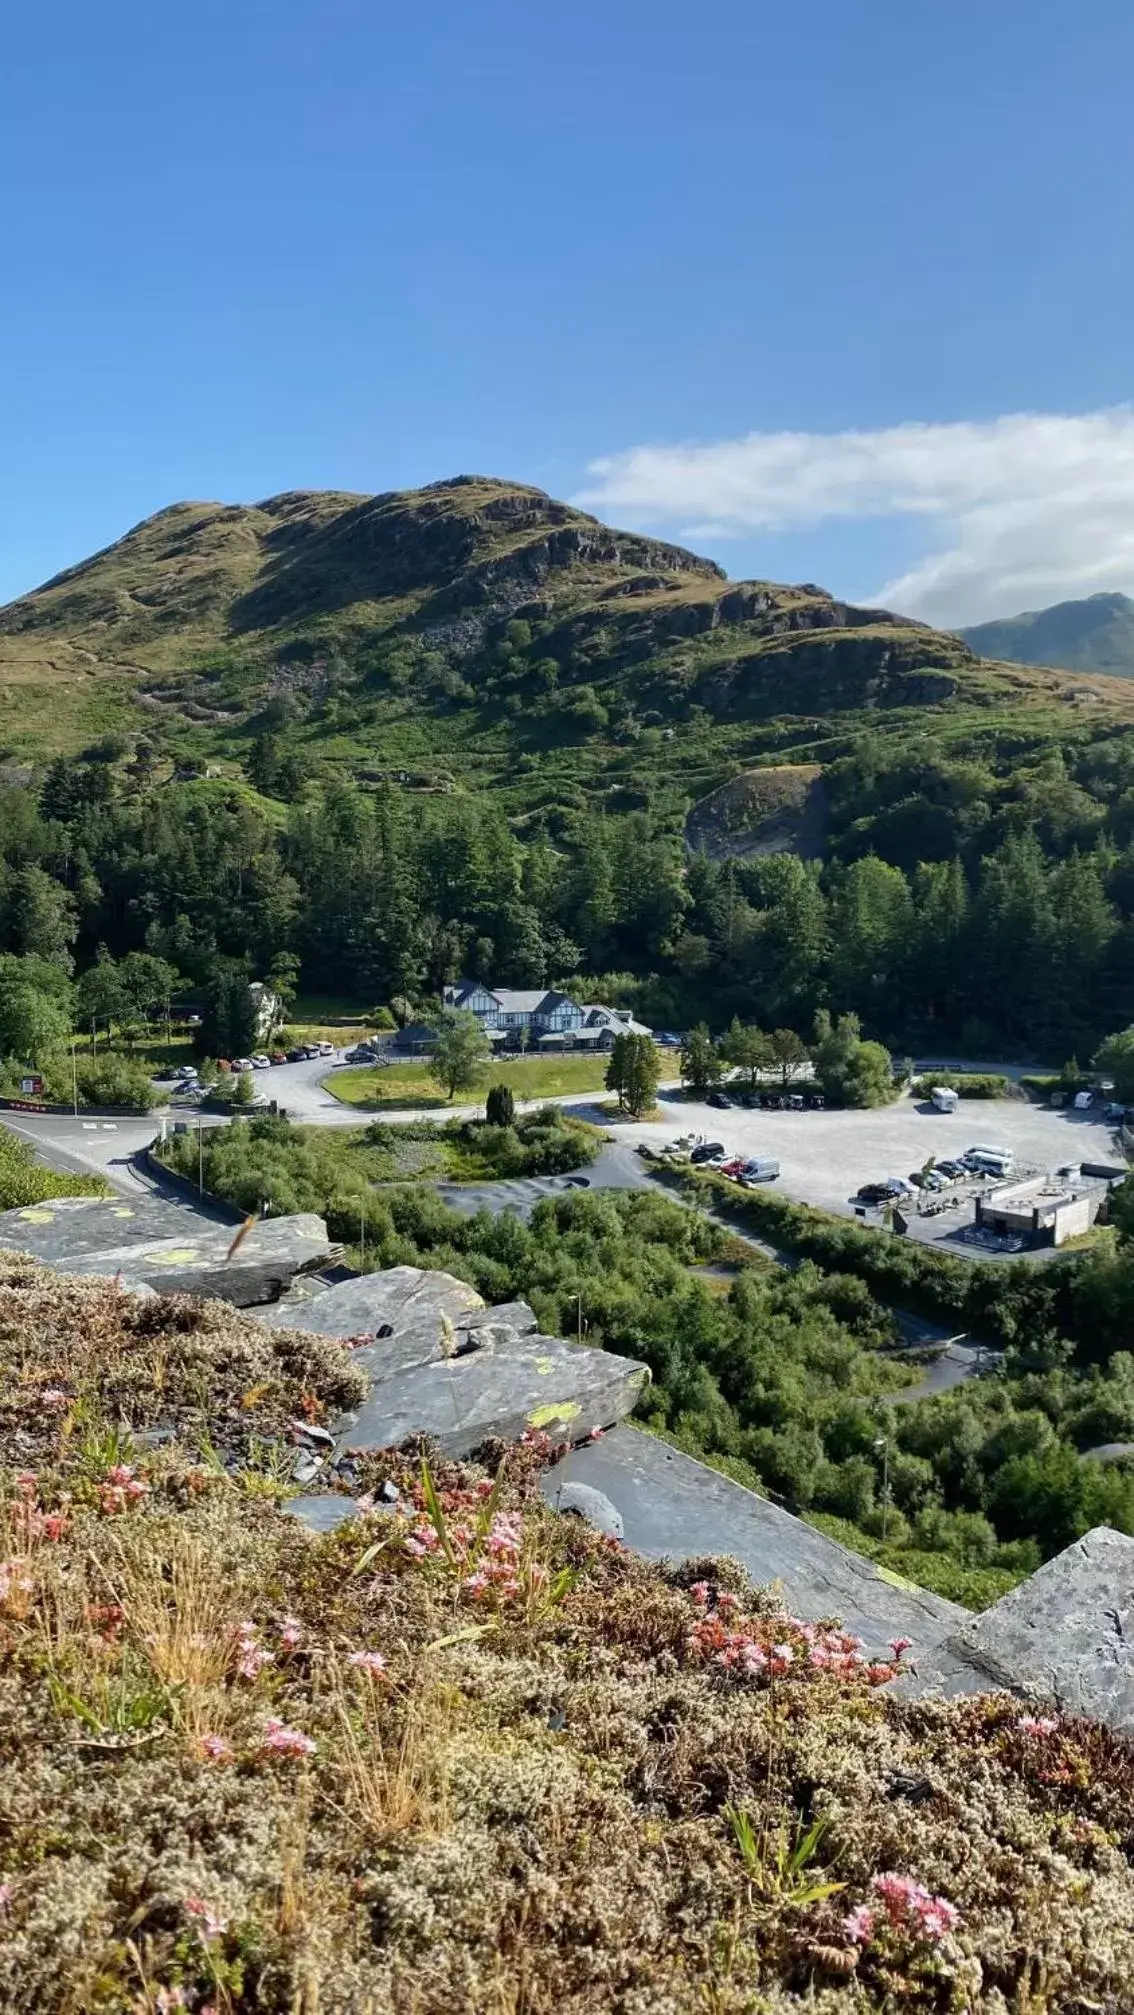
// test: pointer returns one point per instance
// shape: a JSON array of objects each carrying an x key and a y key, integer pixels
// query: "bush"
[
  {"x": 967, "y": 1084},
  {"x": 500, "y": 1105},
  {"x": 23, "y": 1181},
  {"x": 114, "y": 1080}
]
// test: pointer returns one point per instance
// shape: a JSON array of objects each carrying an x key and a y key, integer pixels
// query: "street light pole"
[
  {"x": 884, "y": 1445},
  {"x": 74, "y": 1079},
  {"x": 200, "y": 1156}
]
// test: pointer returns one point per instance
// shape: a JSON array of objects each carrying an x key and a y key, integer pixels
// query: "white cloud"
[{"x": 1020, "y": 511}]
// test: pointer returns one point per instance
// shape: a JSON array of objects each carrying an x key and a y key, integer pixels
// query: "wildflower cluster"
[
  {"x": 120, "y": 1488},
  {"x": 251, "y": 1656},
  {"x": 280, "y": 1740},
  {"x": 27, "y": 1516},
  {"x": 769, "y": 1647},
  {"x": 904, "y": 1906}
]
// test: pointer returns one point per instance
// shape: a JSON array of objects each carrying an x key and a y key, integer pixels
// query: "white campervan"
[{"x": 990, "y": 1160}]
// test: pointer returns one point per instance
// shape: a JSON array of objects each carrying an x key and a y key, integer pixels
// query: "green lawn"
[{"x": 412, "y": 1084}]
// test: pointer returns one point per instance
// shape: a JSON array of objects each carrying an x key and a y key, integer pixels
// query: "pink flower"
[
  {"x": 859, "y": 1925},
  {"x": 169, "y": 1998},
  {"x": 369, "y": 1661},
  {"x": 291, "y": 1630},
  {"x": 121, "y": 1474},
  {"x": 727, "y": 1603},
  {"x": 5, "y": 1895},
  {"x": 900, "y": 1644},
  {"x": 700, "y": 1593},
  {"x": 477, "y": 1583},
  {"x": 285, "y": 1741},
  {"x": 1030, "y": 1724},
  {"x": 596, "y": 1434},
  {"x": 53, "y": 1395},
  {"x": 909, "y": 1905},
  {"x": 937, "y": 1917},
  {"x": 216, "y": 1748},
  {"x": 784, "y": 1653},
  {"x": 251, "y": 1657},
  {"x": 54, "y": 1525},
  {"x": 27, "y": 1483},
  {"x": 366, "y": 1502},
  {"x": 211, "y": 1925}
]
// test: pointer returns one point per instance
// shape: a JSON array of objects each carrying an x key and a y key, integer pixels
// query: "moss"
[{"x": 549, "y": 1798}]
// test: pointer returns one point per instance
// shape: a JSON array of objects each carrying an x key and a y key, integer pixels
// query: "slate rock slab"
[
  {"x": 81, "y": 1235},
  {"x": 321, "y": 1514},
  {"x": 1066, "y": 1635},
  {"x": 535, "y": 1381},
  {"x": 410, "y": 1300},
  {"x": 674, "y": 1507},
  {"x": 68, "y": 1227},
  {"x": 581, "y": 1500}
]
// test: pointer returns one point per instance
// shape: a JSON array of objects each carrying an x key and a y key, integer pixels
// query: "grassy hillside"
[
  {"x": 1092, "y": 635},
  {"x": 479, "y": 632}
]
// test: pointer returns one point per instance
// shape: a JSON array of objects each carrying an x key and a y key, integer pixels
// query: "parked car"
[
  {"x": 260, "y": 1061},
  {"x": 953, "y": 1169},
  {"x": 720, "y": 1100},
  {"x": 312, "y": 1053},
  {"x": 189, "y": 1072},
  {"x": 817, "y": 1104},
  {"x": 361, "y": 1053},
  {"x": 323, "y": 1048},
  {"x": 223, "y": 1064},
  {"x": 647, "y": 1152},
  {"x": 241, "y": 1064},
  {"x": 898, "y": 1186},
  {"x": 297, "y": 1056},
  {"x": 759, "y": 1170},
  {"x": 278, "y": 1056},
  {"x": 795, "y": 1102},
  {"x": 709, "y": 1150},
  {"x": 873, "y": 1192}
]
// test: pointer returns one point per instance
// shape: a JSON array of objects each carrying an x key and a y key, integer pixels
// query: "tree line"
[{"x": 989, "y": 904}]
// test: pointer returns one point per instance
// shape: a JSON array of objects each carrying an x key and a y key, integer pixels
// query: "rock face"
[
  {"x": 406, "y": 1300},
  {"x": 441, "y": 1363},
  {"x": 674, "y": 1507},
  {"x": 151, "y": 1244},
  {"x": 1066, "y": 1635}
]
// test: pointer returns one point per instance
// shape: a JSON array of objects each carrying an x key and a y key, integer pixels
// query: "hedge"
[
  {"x": 25, "y": 1181},
  {"x": 1003, "y": 1304}
]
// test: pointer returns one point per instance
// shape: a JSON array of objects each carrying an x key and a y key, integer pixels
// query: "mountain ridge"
[
  {"x": 1093, "y": 633},
  {"x": 470, "y": 627}
]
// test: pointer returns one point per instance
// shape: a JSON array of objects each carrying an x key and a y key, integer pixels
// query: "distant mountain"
[
  {"x": 478, "y": 633},
  {"x": 1093, "y": 635}
]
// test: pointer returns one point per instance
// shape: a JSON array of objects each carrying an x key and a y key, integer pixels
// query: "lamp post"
[
  {"x": 884, "y": 1445},
  {"x": 74, "y": 1080}
]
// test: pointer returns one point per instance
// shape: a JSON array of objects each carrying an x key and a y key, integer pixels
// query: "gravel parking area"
[{"x": 825, "y": 1156}]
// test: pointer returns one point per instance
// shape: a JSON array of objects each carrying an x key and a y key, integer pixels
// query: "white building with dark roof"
[{"x": 539, "y": 1017}]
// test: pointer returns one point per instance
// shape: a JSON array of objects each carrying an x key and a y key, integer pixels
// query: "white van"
[{"x": 990, "y": 1160}]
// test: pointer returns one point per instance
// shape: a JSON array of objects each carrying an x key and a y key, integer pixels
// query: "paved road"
[{"x": 616, "y": 1167}]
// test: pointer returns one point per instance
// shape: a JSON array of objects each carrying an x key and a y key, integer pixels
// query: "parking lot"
[{"x": 825, "y": 1157}]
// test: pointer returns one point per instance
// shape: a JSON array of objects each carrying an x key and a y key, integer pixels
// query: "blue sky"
[{"x": 823, "y": 253}]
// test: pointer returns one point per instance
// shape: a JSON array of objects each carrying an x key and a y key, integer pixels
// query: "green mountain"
[
  {"x": 1092, "y": 635},
  {"x": 474, "y": 632}
]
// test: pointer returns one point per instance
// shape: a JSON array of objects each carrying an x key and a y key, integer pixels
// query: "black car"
[
  {"x": 297, "y": 1056},
  {"x": 720, "y": 1101},
  {"x": 874, "y": 1192},
  {"x": 708, "y": 1151}
]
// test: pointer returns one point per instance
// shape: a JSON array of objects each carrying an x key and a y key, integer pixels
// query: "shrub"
[{"x": 500, "y": 1105}]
